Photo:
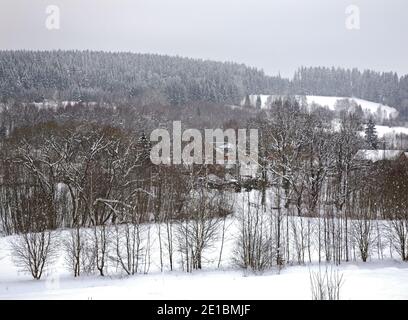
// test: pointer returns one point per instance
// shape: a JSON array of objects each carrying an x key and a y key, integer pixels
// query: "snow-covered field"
[{"x": 375, "y": 279}]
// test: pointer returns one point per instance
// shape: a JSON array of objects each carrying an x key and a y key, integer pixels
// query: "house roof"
[{"x": 379, "y": 155}]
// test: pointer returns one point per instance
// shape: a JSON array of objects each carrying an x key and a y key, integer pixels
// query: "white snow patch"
[
  {"x": 374, "y": 109},
  {"x": 384, "y": 131},
  {"x": 378, "y": 155}
]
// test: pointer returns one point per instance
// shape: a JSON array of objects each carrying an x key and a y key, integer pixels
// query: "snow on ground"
[
  {"x": 386, "y": 132},
  {"x": 383, "y": 131},
  {"x": 377, "y": 110},
  {"x": 265, "y": 100},
  {"x": 51, "y": 104},
  {"x": 376, "y": 279},
  {"x": 385, "y": 280},
  {"x": 379, "y": 155},
  {"x": 369, "y": 108}
]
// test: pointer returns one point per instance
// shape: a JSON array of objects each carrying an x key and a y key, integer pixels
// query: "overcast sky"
[{"x": 274, "y": 35}]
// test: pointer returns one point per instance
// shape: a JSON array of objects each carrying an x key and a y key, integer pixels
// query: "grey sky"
[{"x": 275, "y": 35}]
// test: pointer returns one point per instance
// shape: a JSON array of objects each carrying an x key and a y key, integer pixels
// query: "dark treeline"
[
  {"x": 147, "y": 78},
  {"x": 81, "y": 152},
  {"x": 115, "y": 77}
]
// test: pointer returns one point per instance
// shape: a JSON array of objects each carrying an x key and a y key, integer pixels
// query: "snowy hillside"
[
  {"x": 384, "y": 131},
  {"x": 377, "y": 110}
]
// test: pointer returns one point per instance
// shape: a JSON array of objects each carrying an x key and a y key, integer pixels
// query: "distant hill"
[
  {"x": 143, "y": 78},
  {"x": 35, "y": 76}
]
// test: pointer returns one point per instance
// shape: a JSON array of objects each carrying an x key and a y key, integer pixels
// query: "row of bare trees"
[
  {"x": 319, "y": 201},
  {"x": 99, "y": 183},
  {"x": 313, "y": 198}
]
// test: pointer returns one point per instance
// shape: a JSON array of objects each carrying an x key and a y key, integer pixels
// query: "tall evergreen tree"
[
  {"x": 371, "y": 136},
  {"x": 258, "y": 102},
  {"x": 247, "y": 102},
  {"x": 144, "y": 147}
]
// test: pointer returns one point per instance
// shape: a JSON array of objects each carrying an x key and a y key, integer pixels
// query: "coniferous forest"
[{"x": 30, "y": 76}]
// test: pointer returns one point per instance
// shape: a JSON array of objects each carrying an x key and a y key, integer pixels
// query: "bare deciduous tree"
[
  {"x": 254, "y": 245},
  {"x": 199, "y": 229},
  {"x": 326, "y": 285},
  {"x": 34, "y": 252}
]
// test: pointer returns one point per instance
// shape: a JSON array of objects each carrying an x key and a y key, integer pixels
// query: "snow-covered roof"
[
  {"x": 213, "y": 178},
  {"x": 378, "y": 155},
  {"x": 226, "y": 146}
]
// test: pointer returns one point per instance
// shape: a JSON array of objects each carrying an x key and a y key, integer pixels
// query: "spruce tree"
[
  {"x": 371, "y": 136},
  {"x": 247, "y": 102},
  {"x": 144, "y": 147},
  {"x": 258, "y": 102}
]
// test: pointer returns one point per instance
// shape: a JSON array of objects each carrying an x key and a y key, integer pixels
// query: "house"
[{"x": 233, "y": 165}]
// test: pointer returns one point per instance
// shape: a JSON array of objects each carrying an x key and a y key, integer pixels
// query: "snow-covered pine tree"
[
  {"x": 247, "y": 102},
  {"x": 258, "y": 102},
  {"x": 144, "y": 146},
  {"x": 371, "y": 136}
]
